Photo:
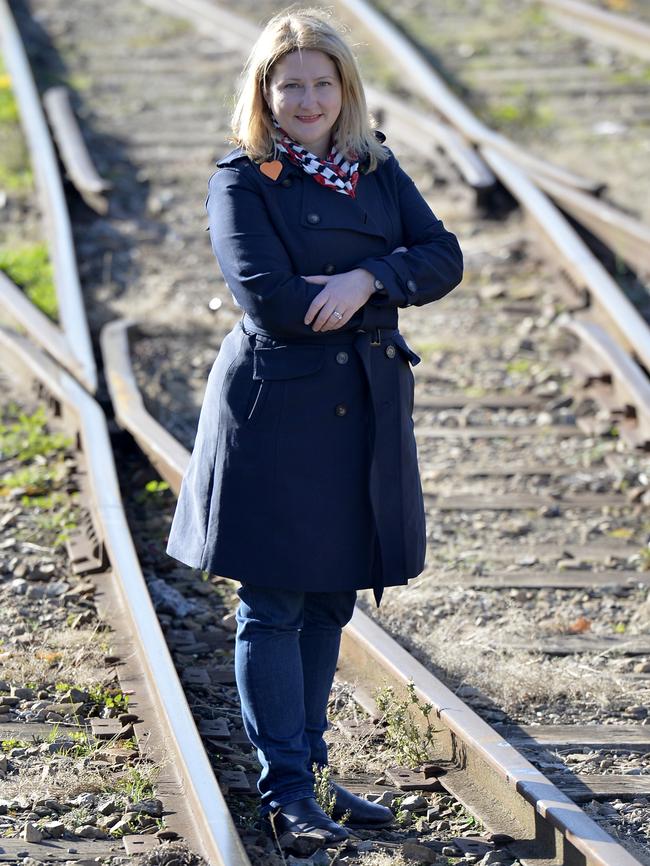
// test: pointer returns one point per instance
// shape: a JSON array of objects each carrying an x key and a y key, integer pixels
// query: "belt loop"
[{"x": 376, "y": 338}]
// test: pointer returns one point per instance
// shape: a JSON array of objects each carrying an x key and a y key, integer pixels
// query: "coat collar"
[{"x": 287, "y": 166}]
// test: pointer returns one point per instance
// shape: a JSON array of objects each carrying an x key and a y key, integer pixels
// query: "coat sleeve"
[
  {"x": 433, "y": 264},
  {"x": 252, "y": 257}
]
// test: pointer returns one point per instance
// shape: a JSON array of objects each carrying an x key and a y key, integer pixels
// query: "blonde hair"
[{"x": 295, "y": 30}]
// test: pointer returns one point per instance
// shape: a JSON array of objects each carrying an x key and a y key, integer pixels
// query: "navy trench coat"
[{"x": 304, "y": 471}]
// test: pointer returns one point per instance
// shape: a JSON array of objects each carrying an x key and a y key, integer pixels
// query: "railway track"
[{"x": 523, "y": 387}]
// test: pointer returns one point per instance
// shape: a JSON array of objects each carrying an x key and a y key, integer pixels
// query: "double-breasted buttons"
[
  {"x": 341, "y": 409},
  {"x": 342, "y": 358},
  {"x": 329, "y": 269},
  {"x": 411, "y": 286},
  {"x": 286, "y": 182},
  {"x": 313, "y": 218},
  {"x": 390, "y": 351}
]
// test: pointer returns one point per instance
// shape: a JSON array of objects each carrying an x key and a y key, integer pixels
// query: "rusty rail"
[
  {"x": 72, "y": 147},
  {"x": 207, "y": 822},
  {"x": 625, "y": 389}
]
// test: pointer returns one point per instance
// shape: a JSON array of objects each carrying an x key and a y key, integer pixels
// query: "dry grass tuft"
[
  {"x": 68, "y": 655},
  {"x": 171, "y": 854},
  {"x": 484, "y": 657},
  {"x": 383, "y": 858},
  {"x": 66, "y": 775},
  {"x": 69, "y": 778}
]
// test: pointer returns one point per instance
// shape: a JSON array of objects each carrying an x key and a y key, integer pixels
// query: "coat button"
[
  {"x": 286, "y": 182},
  {"x": 390, "y": 351},
  {"x": 342, "y": 358},
  {"x": 329, "y": 269},
  {"x": 341, "y": 410},
  {"x": 313, "y": 218},
  {"x": 412, "y": 286},
  {"x": 379, "y": 286}
]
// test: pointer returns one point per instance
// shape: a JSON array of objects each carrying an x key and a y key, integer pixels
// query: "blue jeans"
[{"x": 285, "y": 658}]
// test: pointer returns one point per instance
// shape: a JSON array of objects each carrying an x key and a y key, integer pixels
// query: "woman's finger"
[
  {"x": 333, "y": 323},
  {"x": 326, "y": 321},
  {"x": 317, "y": 278},
  {"x": 316, "y": 305}
]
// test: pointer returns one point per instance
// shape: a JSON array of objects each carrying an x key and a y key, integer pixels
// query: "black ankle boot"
[
  {"x": 306, "y": 816},
  {"x": 362, "y": 813}
]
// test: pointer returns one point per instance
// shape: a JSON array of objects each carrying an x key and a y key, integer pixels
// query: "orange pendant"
[{"x": 271, "y": 169}]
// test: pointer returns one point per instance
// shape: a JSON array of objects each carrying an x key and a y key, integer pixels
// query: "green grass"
[
  {"x": 519, "y": 365},
  {"x": 29, "y": 267},
  {"x": 107, "y": 697},
  {"x": 153, "y": 492},
  {"x": 15, "y": 171},
  {"x": 136, "y": 783},
  {"x": 25, "y": 436},
  {"x": 38, "y": 472},
  {"x": 520, "y": 112},
  {"x": 8, "y": 745}
]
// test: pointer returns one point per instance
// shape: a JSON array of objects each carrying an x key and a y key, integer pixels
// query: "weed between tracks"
[
  {"x": 402, "y": 719},
  {"x": 26, "y": 264},
  {"x": 29, "y": 267},
  {"x": 38, "y": 469}
]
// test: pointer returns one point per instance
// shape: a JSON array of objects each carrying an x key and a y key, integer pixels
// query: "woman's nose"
[{"x": 308, "y": 96}]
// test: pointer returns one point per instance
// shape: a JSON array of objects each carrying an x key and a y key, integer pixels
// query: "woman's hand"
[{"x": 346, "y": 293}]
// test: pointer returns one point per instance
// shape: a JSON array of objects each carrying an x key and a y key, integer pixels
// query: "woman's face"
[{"x": 305, "y": 97}]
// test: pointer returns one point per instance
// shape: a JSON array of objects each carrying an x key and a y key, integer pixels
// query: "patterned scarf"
[{"x": 334, "y": 171}]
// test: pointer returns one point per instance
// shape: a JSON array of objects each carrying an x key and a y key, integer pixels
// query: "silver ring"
[{"x": 337, "y": 314}]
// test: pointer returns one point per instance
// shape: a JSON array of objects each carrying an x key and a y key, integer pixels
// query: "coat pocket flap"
[
  {"x": 405, "y": 349},
  {"x": 287, "y": 362}
]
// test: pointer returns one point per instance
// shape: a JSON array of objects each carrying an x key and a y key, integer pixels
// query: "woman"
[{"x": 303, "y": 483}]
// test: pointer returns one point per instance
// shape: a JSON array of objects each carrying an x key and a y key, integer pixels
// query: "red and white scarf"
[{"x": 334, "y": 171}]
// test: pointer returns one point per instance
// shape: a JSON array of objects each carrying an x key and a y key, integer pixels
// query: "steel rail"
[
  {"x": 485, "y": 772},
  {"x": 577, "y": 260},
  {"x": 19, "y": 308},
  {"x": 626, "y": 236},
  {"x": 480, "y": 765},
  {"x": 601, "y": 25},
  {"x": 426, "y": 81},
  {"x": 72, "y": 147},
  {"x": 50, "y": 189},
  {"x": 629, "y": 384},
  {"x": 468, "y": 162},
  {"x": 164, "y": 451},
  {"x": 215, "y": 832}
]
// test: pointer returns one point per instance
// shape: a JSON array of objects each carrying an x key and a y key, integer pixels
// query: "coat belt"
[{"x": 377, "y": 336}]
